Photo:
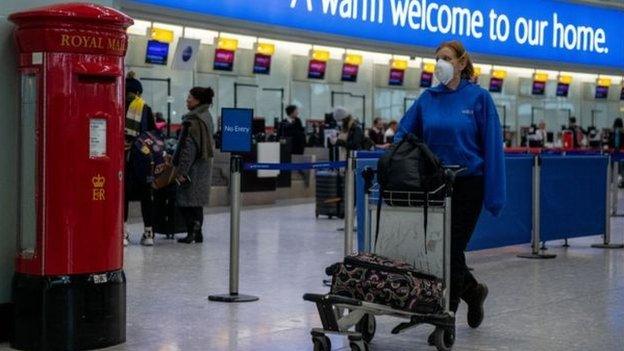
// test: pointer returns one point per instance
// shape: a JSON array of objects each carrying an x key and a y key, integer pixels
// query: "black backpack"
[{"x": 409, "y": 167}]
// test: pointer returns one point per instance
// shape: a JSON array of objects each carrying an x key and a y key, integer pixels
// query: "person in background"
[
  {"x": 579, "y": 133},
  {"x": 376, "y": 133},
  {"x": 139, "y": 119},
  {"x": 161, "y": 123},
  {"x": 292, "y": 128},
  {"x": 541, "y": 132},
  {"x": 193, "y": 161},
  {"x": 390, "y": 132},
  {"x": 539, "y": 136},
  {"x": 458, "y": 121},
  {"x": 351, "y": 135},
  {"x": 315, "y": 138},
  {"x": 616, "y": 141}
]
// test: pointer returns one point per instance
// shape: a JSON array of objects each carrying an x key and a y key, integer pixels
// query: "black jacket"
[
  {"x": 296, "y": 133},
  {"x": 376, "y": 137}
]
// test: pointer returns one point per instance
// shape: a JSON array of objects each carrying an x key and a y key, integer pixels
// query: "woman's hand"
[{"x": 182, "y": 179}]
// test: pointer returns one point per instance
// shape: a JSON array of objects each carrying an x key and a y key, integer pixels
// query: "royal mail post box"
[{"x": 69, "y": 286}]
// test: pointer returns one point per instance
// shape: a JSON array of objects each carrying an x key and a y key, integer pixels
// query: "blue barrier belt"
[
  {"x": 369, "y": 154},
  {"x": 617, "y": 156},
  {"x": 294, "y": 166}
]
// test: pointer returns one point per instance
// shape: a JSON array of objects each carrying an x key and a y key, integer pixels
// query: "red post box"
[{"x": 69, "y": 285}]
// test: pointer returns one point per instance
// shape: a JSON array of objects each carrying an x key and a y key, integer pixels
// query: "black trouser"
[
  {"x": 192, "y": 215},
  {"x": 144, "y": 193},
  {"x": 466, "y": 207}
]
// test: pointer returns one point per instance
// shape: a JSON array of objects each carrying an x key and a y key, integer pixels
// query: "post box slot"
[{"x": 96, "y": 79}]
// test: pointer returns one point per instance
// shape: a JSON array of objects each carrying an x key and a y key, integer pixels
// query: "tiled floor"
[{"x": 574, "y": 302}]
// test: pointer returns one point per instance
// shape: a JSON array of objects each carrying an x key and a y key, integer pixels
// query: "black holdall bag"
[{"x": 408, "y": 168}]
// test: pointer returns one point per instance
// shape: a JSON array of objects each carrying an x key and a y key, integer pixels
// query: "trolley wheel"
[
  {"x": 359, "y": 346},
  {"x": 443, "y": 339},
  {"x": 367, "y": 326},
  {"x": 321, "y": 343}
]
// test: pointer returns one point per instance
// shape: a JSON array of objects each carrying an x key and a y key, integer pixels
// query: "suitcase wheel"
[{"x": 321, "y": 343}]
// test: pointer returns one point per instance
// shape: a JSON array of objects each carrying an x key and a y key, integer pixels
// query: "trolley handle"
[{"x": 451, "y": 173}]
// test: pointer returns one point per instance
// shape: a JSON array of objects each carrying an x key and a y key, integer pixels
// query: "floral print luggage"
[{"x": 393, "y": 283}]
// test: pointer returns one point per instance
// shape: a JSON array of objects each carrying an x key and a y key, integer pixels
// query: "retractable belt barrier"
[
  {"x": 520, "y": 221},
  {"x": 349, "y": 193},
  {"x": 294, "y": 166}
]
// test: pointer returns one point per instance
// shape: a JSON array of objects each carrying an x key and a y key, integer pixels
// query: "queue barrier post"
[
  {"x": 349, "y": 197},
  {"x": 606, "y": 244},
  {"x": 615, "y": 173},
  {"x": 535, "y": 241},
  {"x": 236, "y": 165}
]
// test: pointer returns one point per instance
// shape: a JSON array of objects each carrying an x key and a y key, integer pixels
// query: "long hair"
[{"x": 461, "y": 53}]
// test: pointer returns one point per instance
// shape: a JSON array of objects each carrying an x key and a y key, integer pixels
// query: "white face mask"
[{"x": 444, "y": 71}]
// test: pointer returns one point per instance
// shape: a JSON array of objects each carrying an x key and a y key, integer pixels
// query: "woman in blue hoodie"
[{"x": 458, "y": 121}]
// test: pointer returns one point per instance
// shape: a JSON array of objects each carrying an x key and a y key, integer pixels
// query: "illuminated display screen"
[
  {"x": 538, "y": 88},
  {"x": 496, "y": 85},
  {"x": 316, "y": 69},
  {"x": 396, "y": 77},
  {"x": 224, "y": 60},
  {"x": 157, "y": 52},
  {"x": 563, "y": 89},
  {"x": 349, "y": 72},
  {"x": 262, "y": 64}
]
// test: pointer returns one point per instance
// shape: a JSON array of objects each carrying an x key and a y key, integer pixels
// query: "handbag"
[{"x": 166, "y": 176}]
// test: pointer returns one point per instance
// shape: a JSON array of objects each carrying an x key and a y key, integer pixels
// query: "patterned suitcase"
[{"x": 393, "y": 283}]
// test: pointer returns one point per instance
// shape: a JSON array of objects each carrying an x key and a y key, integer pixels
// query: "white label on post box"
[
  {"x": 97, "y": 138},
  {"x": 37, "y": 58}
]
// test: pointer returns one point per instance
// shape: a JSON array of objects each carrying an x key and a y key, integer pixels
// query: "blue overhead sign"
[{"x": 547, "y": 30}]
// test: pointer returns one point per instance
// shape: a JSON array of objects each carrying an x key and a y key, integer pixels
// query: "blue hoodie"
[{"x": 462, "y": 128}]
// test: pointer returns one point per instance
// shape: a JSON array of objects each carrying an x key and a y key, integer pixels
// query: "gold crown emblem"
[{"x": 98, "y": 181}]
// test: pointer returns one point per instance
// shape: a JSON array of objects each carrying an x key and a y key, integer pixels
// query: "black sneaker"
[{"x": 475, "y": 299}]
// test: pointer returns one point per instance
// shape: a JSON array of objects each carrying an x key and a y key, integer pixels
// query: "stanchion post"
[
  {"x": 606, "y": 244},
  {"x": 614, "y": 187},
  {"x": 535, "y": 241},
  {"x": 236, "y": 164},
  {"x": 349, "y": 196}
]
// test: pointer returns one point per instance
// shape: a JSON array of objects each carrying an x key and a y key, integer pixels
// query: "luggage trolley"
[{"x": 427, "y": 249}]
